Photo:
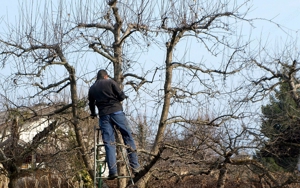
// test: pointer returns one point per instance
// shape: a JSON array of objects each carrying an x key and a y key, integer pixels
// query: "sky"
[{"x": 284, "y": 12}]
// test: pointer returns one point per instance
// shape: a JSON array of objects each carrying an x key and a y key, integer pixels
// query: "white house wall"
[{"x": 28, "y": 131}]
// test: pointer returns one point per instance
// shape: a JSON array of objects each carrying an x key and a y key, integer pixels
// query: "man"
[{"x": 107, "y": 96}]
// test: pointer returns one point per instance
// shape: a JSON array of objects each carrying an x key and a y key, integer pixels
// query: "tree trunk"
[
  {"x": 78, "y": 131},
  {"x": 222, "y": 176},
  {"x": 298, "y": 164},
  {"x": 143, "y": 181},
  {"x": 168, "y": 93},
  {"x": 121, "y": 165},
  {"x": 167, "y": 89},
  {"x": 11, "y": 183}
]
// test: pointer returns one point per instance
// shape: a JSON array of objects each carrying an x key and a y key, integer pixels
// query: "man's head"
[{"x": 102, "y": 74}]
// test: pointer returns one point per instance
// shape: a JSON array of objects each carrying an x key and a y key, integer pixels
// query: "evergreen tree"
[{"x": 281, "y": 127}]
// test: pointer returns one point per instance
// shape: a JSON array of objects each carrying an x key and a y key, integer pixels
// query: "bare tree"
[
  {"x": 179, "y": 21},
  {"x": 280, "y": 77},
  {"x": 55, "y": 55},
  {"x": 36, "y": 47}
]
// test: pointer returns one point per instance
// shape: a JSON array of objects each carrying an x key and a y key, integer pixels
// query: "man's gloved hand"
[{"x": 93, "y": 115}]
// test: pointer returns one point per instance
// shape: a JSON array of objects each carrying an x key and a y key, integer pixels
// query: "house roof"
[
  {"x": 3, "y": 116},
  {"x": 30, "y": 112}
]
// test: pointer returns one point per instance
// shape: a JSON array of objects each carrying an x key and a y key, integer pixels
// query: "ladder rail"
[
  {"x": 95, "y": 160},
  {"x": 99, "y": 163},
  {"x": 127, "y": 165}
]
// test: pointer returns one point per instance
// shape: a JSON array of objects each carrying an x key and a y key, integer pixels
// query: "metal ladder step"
[{"x": 119, "y": 177}]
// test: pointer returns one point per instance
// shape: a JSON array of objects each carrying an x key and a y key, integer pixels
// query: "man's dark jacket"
[{"x": 107, "y": 96}]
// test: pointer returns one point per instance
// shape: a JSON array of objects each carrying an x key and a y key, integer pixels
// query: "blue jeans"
[{"x": 106, "y": 123}]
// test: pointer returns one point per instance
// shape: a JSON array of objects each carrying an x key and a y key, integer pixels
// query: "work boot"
[
  {"x": 112, "y": 176},
  {"x": 136, "y": 171}
]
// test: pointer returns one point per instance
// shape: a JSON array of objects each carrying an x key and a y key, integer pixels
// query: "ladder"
[{"x": 100, "y": 161}]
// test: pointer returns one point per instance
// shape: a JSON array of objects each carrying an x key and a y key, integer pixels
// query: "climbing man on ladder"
[{"x": 107, "y": 96}]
